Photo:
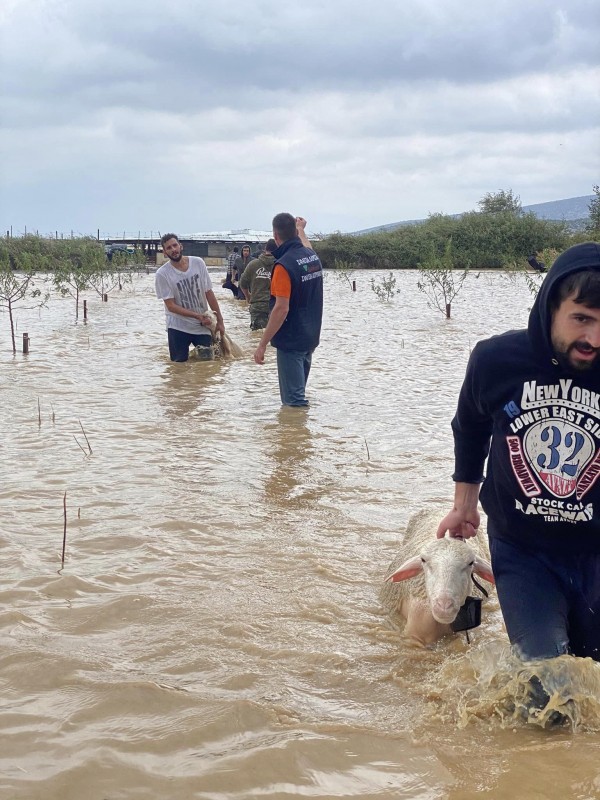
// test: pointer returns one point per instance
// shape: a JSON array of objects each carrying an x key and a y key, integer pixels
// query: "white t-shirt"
[{"x": 188, "y": 289}]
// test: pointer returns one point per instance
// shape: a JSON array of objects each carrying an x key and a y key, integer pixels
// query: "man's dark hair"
[
  {"x": 583, "y": 286},
  {"x": 165, "y": 238},
  {"x": 236, "y": 249},
  {"x": 271, "y": 246},
  {"x": 284, "y": 225}
]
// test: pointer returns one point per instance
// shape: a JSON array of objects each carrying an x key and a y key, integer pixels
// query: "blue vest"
[{"x": 302, "y": 326}]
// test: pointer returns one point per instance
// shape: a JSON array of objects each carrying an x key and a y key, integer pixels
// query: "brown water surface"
[{"x": 215, "y": 632}]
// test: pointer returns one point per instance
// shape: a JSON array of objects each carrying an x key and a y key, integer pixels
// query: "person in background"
[
  {"x": 256, "y": 286},
  {"x": 184, "y": 285},
  {"x": 228, "y": 282},
  {"x": 533, "y": 262},
  {"x": 530, "y": 404},
  {"x": 239, "y": 266},
  {"x": 294, "y": 325}
]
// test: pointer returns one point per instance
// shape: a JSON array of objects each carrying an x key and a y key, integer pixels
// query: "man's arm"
[
  {"x": 245, "y": 283},
  {"x": 462, "y": 522},
  {"x": 214, "y": 304},
  {"x": 300, "y": 226},
  {"x": 276, "y": 320}
]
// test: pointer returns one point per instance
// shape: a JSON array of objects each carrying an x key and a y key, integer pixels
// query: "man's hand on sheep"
[
  {"x": 462, "y": 522},
  {"x": 459, "y": 524}
]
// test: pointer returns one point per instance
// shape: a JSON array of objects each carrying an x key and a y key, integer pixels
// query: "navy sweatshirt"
[{"x": 538, "y": 423}]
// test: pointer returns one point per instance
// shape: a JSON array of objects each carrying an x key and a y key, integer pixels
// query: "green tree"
[
  {"x": 594, "y": 207},
  {"x": 496, "y": 202}
]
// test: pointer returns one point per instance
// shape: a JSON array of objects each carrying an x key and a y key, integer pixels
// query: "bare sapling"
[
  {"x": 344, "y": 271},
  {"x": 76, "y": 263},
  {"x": 440, "y": 280},
  {"x": 17, "y": 286},
  {"x": 385, "y": 288},
  {"x": 89, "y": 447}
]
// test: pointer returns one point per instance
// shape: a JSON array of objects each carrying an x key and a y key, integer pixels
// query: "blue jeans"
[
  {"x": 293, "y": 368},
  {"x": 550, "y": 603}
]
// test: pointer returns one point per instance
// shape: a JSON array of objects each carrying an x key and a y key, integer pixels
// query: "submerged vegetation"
[{"x": 29, "y": 263}]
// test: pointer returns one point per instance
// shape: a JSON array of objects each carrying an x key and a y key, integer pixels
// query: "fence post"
[{"x": 26, "y": 343}]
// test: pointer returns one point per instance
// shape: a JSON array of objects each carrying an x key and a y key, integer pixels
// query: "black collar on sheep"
[{"x": 469, "y": 614}]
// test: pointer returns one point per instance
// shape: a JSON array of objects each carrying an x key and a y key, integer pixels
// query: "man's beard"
[
  {"x": 176, "y": 258},
  {"x": 567, "y": 357}
]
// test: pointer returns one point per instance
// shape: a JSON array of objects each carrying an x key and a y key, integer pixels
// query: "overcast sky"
[{"x": 200, "y": 115}]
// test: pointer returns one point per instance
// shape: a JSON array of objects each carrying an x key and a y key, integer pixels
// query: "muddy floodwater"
[{"x": 216, "y": 631}]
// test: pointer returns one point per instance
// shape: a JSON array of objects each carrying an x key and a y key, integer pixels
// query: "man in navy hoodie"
[
  {"x": 294, "y": 325},
  {"x": 530, "y": 404}
]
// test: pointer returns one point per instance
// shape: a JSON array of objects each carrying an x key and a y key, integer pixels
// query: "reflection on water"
[
  {"x": 215, "y": 632},
  {"x": 290, "y": 445}
]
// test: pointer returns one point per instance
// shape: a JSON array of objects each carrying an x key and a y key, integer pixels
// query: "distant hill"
[{"x": 572, "y": 209}]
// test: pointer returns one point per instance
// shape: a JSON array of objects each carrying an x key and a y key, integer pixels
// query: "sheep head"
[{"x": 447, "y": 566}]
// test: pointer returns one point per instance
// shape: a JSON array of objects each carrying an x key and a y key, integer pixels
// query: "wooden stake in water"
[
  {"x": 64, "y": 530},
  {"x": 25, "y": 343}
]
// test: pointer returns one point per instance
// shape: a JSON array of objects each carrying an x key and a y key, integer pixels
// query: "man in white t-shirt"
[{"x": 183, "y": 283}]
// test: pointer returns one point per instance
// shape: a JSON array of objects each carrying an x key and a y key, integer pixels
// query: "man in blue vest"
[{"x": 294, "y": 325}]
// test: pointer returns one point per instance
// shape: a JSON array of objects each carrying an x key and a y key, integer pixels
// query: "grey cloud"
[
  {"x": 343, "y": 110},
  {"x": 146, "y": 55}
]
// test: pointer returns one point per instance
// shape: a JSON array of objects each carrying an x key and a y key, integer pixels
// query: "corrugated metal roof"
[
  {"x": 235, "y": 236},
  {"x": 244, "y": 234}
]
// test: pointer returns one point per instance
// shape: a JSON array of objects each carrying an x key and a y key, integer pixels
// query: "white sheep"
[
  {"x": 225, "y": 347},
  {"x": 442, "y": 570}
]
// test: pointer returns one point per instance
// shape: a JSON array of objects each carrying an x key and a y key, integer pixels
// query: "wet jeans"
[
  {"x": 180, "y": 341},
  {"x": 293, "y": 368},
  {"x": 550, "y": 603}
]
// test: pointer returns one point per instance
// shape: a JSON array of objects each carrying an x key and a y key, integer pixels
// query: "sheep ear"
[
  {"x": 483, "y": 568},
  {"x": 409, "y": 569}
]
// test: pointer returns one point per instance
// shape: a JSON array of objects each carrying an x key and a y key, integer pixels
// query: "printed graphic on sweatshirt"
[{"x": 554, "y": 448}]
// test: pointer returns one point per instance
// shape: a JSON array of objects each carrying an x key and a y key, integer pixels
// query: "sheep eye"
[
  {"x": 423, "y": 560},
  {"x": 471, "y": 563}
]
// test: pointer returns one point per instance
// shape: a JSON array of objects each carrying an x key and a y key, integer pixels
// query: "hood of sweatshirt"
[
  {"x": 575, "y": 259},
  {"x": 267, "y": 258}
]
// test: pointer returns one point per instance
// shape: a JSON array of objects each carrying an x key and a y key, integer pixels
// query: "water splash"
[{"x": 491, "y": 683}]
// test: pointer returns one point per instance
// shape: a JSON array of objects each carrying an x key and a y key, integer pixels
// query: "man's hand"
[
  {"x": 259, "y": 354},
  {"x": 300, "y": 226},
  {"x": 459, "y": 524}
]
